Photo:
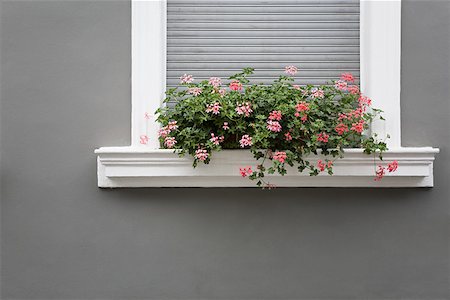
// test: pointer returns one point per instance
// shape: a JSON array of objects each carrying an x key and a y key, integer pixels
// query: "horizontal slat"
[
  {"x": 258, "y": 73},
  {"x": 239, "y": 49},
  {"x": 186, "y": 10},
  {"x": 254, "y": 41},
  {"x": 260, "y": 25},
  {"x": 264, "y": 33},
  {"x": 266, "y": 57},
  {"x": 236, "y": 17},
  {"x": 265, "y": 3},
  {"x": 258, "y": 65}
]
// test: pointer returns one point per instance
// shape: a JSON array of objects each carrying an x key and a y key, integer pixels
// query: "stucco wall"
[{"x": 65, "y": 69}]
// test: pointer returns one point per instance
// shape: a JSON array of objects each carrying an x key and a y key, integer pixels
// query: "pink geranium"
[
  {"x": 235, "y": 85},
  {"x": 201, "y": 154},
  {"x": 143, "y": 139},
  {"x": 213, "y": 108},
  {"x": 322, "y": 137},
  {"x": 279, "y": 156},
  {"x": 215, "y": 81},
  {"x": 358, "y": 127},
  {"x": 341, "y": 85},
  {"x": 244, "y": 109},
  {"x": 288, "y": 136},
  {"x": 275, "y": 115},
  {"x": 195, "y": 91},
  {"x": 291, "y": 70},
  {"x": 186, "y": 79},
  {"x": 225, "y": 126},
  {"x": 353, "y": 89},
  {"x": 321, "y": 165},
  {"x": 392, "y": 167},
  {"x": 317, "y": 93},
  {"x": 379, "y": 173},
  {"x": 347, "y": 77},
  {"x": 341, "y": 128},
  {"x": 222, "y": 92},
  {"x": 245, "y": 141},
  {"x": 364, "y": 101},
  {"x": 172, "y": 125},
  {"x": 296, "y": 86},
  {"x": 302, "y": 106},
  {"x": 170, "y": 142},
  {"x": 274, "y": 126},
  {"x": 245, "y": 171},
  {"x": 216, "y": 140}
]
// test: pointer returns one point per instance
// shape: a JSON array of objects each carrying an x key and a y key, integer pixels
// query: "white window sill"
[{"x": 143, "y": 167}]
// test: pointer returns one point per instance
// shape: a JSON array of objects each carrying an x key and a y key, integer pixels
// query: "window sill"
[{"x": 143, "y": 167}]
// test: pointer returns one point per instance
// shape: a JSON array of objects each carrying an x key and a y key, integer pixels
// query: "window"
[{"x": 168, "y": 37}]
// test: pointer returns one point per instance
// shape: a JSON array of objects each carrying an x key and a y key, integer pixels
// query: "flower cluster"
[
  {"x": 244, "y": 109},
  {"x": 282, "y": 123}
]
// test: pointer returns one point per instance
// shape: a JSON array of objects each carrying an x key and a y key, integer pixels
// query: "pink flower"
[
  {"x": 201, "y": 154},
  {"x": 273, "y": 126},
  {"x": 341, "y": 85},
  {"x": 297, "y": 114},
  {"x": 245, "y": 141},
  {"x": 222, "y": 92},
  {"x": 216, "y": 140},
  {"x": 347, "y": 77},
  {"x": 291, "y": 70},
  {"x": 172, "y": 125},
  {"x": 288, "y": 136},
  {"x": 143, "y": 139},
  {"x": 296, "y": 87},
  {"x": 186, "y": 79},
  {"x": 353, "y": 89},
  {"x": 302, "y": 106},
  {"x": 304, "y": 118},
  {"x": 225, "y": 126},
  {"x": 213, "y": 108},
  {"x": 364, "y": 101},
  {"x": 195, "y": 91},
  {"x": 280, "y": 156},
  {"x": 379, "y": 173},
  {"x": 317, "y": 93},
  {"x": 169, "y": 142},
  {"x": 235, "y": 85},
  {"x": 163, "y": 132},
  {"x": 245, "y": 171},
  {"x": 341, "y": 128},
  {"x": 322, "y": 137},
  {"x": 275, "y": 115},
  {"x": 244, "y": 109},
  {"x": 215, "y": 81},
  {"x": 392, "y": 167},
  {"x": 358, "y": 127},
  {"x": 321, "y": 165},
  {"x": 329, "y": 164}
]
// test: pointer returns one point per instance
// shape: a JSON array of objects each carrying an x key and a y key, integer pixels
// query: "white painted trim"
[
  {"x": 140, "y": 167},
  {"x": 380, "y": 47},
  {"x": 148, "y": 82}
]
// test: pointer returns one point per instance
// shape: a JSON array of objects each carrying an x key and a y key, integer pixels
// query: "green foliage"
[{"x": 299, "y": 134}]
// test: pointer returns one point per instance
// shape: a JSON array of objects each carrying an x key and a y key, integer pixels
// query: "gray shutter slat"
[{"x": 206, "y": 38}]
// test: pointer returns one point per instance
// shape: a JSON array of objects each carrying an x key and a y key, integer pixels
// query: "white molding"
[
  {"x": 380, "y": 55},
  {"x": 148, "y": 60},
  {"x": 141, "y": 167}
]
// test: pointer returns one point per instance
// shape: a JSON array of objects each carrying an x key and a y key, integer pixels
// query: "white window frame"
[{"x": 380, "y": 58}]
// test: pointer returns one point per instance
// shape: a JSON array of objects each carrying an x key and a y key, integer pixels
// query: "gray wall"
[{"x": 65, "y": 69}]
